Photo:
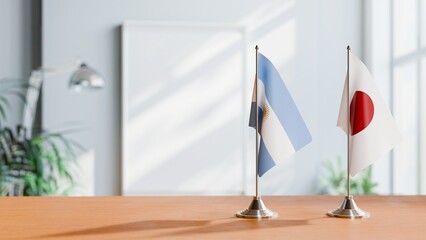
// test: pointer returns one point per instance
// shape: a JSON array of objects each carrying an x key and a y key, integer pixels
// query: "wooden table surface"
[{"x": 301, "y": 217}]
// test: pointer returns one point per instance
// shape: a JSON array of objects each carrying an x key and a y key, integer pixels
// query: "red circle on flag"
[{"x": 362, "y": 112}]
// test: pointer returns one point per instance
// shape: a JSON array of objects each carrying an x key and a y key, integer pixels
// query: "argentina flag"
[{"x": 281, "y": 127}]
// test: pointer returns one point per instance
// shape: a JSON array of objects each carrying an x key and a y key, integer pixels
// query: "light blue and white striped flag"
[{"x": 282, "y": 129}]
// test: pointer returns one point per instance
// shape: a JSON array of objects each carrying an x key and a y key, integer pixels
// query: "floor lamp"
[{"x": 82, "y": 77}]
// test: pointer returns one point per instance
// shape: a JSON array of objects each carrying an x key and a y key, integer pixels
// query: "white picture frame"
[{"x": 195, "y": 149}]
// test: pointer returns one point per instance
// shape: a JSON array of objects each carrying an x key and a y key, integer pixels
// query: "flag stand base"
[
  {"x": 348, "y": 209},
  {"x": 257, "y": 209}
]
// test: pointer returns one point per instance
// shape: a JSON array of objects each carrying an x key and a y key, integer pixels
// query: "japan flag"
[{"x": 372, "y": 128}]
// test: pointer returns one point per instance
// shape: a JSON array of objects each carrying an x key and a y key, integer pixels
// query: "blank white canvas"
[{"x": 182, "y": 109}]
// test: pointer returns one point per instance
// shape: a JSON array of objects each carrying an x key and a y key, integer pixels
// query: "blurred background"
[{"x": 171, "y": 114}]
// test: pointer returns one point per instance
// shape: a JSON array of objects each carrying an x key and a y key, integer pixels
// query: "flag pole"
[
  {"x": 257, "y": 127},
  {"x": 257, "y": 208},
  {"x": 348, "y": 128},
  {"x": 348, "y": 208}
]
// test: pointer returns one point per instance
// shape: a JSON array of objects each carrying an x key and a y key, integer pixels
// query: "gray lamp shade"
[{"x": 86, "y": 77}]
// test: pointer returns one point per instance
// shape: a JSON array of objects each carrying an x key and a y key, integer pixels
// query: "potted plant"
[
  {"x": 42, "y": 164},
  {"x": 334, "y": 180}
]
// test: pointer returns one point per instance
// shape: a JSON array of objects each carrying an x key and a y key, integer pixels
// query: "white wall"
[
  {"x": 340, "y": 23},
  {"x": 15, "y": 47},
  {"x": 306, "y": 39},
  {"x": 377, "y": 49},
  {"x": 395, "y": 56}
]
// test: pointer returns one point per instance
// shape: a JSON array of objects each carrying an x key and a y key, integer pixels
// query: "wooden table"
[{"x": 301, "y": 217}]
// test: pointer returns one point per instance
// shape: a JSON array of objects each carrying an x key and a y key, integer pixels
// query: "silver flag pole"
[
  {"x": 257, "y": 208},
  {"x": 348, "y": 208}
]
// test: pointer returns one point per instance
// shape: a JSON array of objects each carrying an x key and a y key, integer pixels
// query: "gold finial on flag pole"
[
  {"x": 257, "y": 208},
  {"x": 348, "y": 208}
]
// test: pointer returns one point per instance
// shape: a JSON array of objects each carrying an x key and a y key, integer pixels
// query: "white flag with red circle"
[{"x": 373, "y": 130}]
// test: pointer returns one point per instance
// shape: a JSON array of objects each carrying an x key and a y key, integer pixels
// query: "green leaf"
[
  {"x": 5, "y": 101},
  {"x": 47, "y": 161}
]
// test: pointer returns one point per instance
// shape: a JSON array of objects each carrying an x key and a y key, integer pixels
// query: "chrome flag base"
[
  {"x": 348, "y": 209},
  {"x": 257, "y": 209}
]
